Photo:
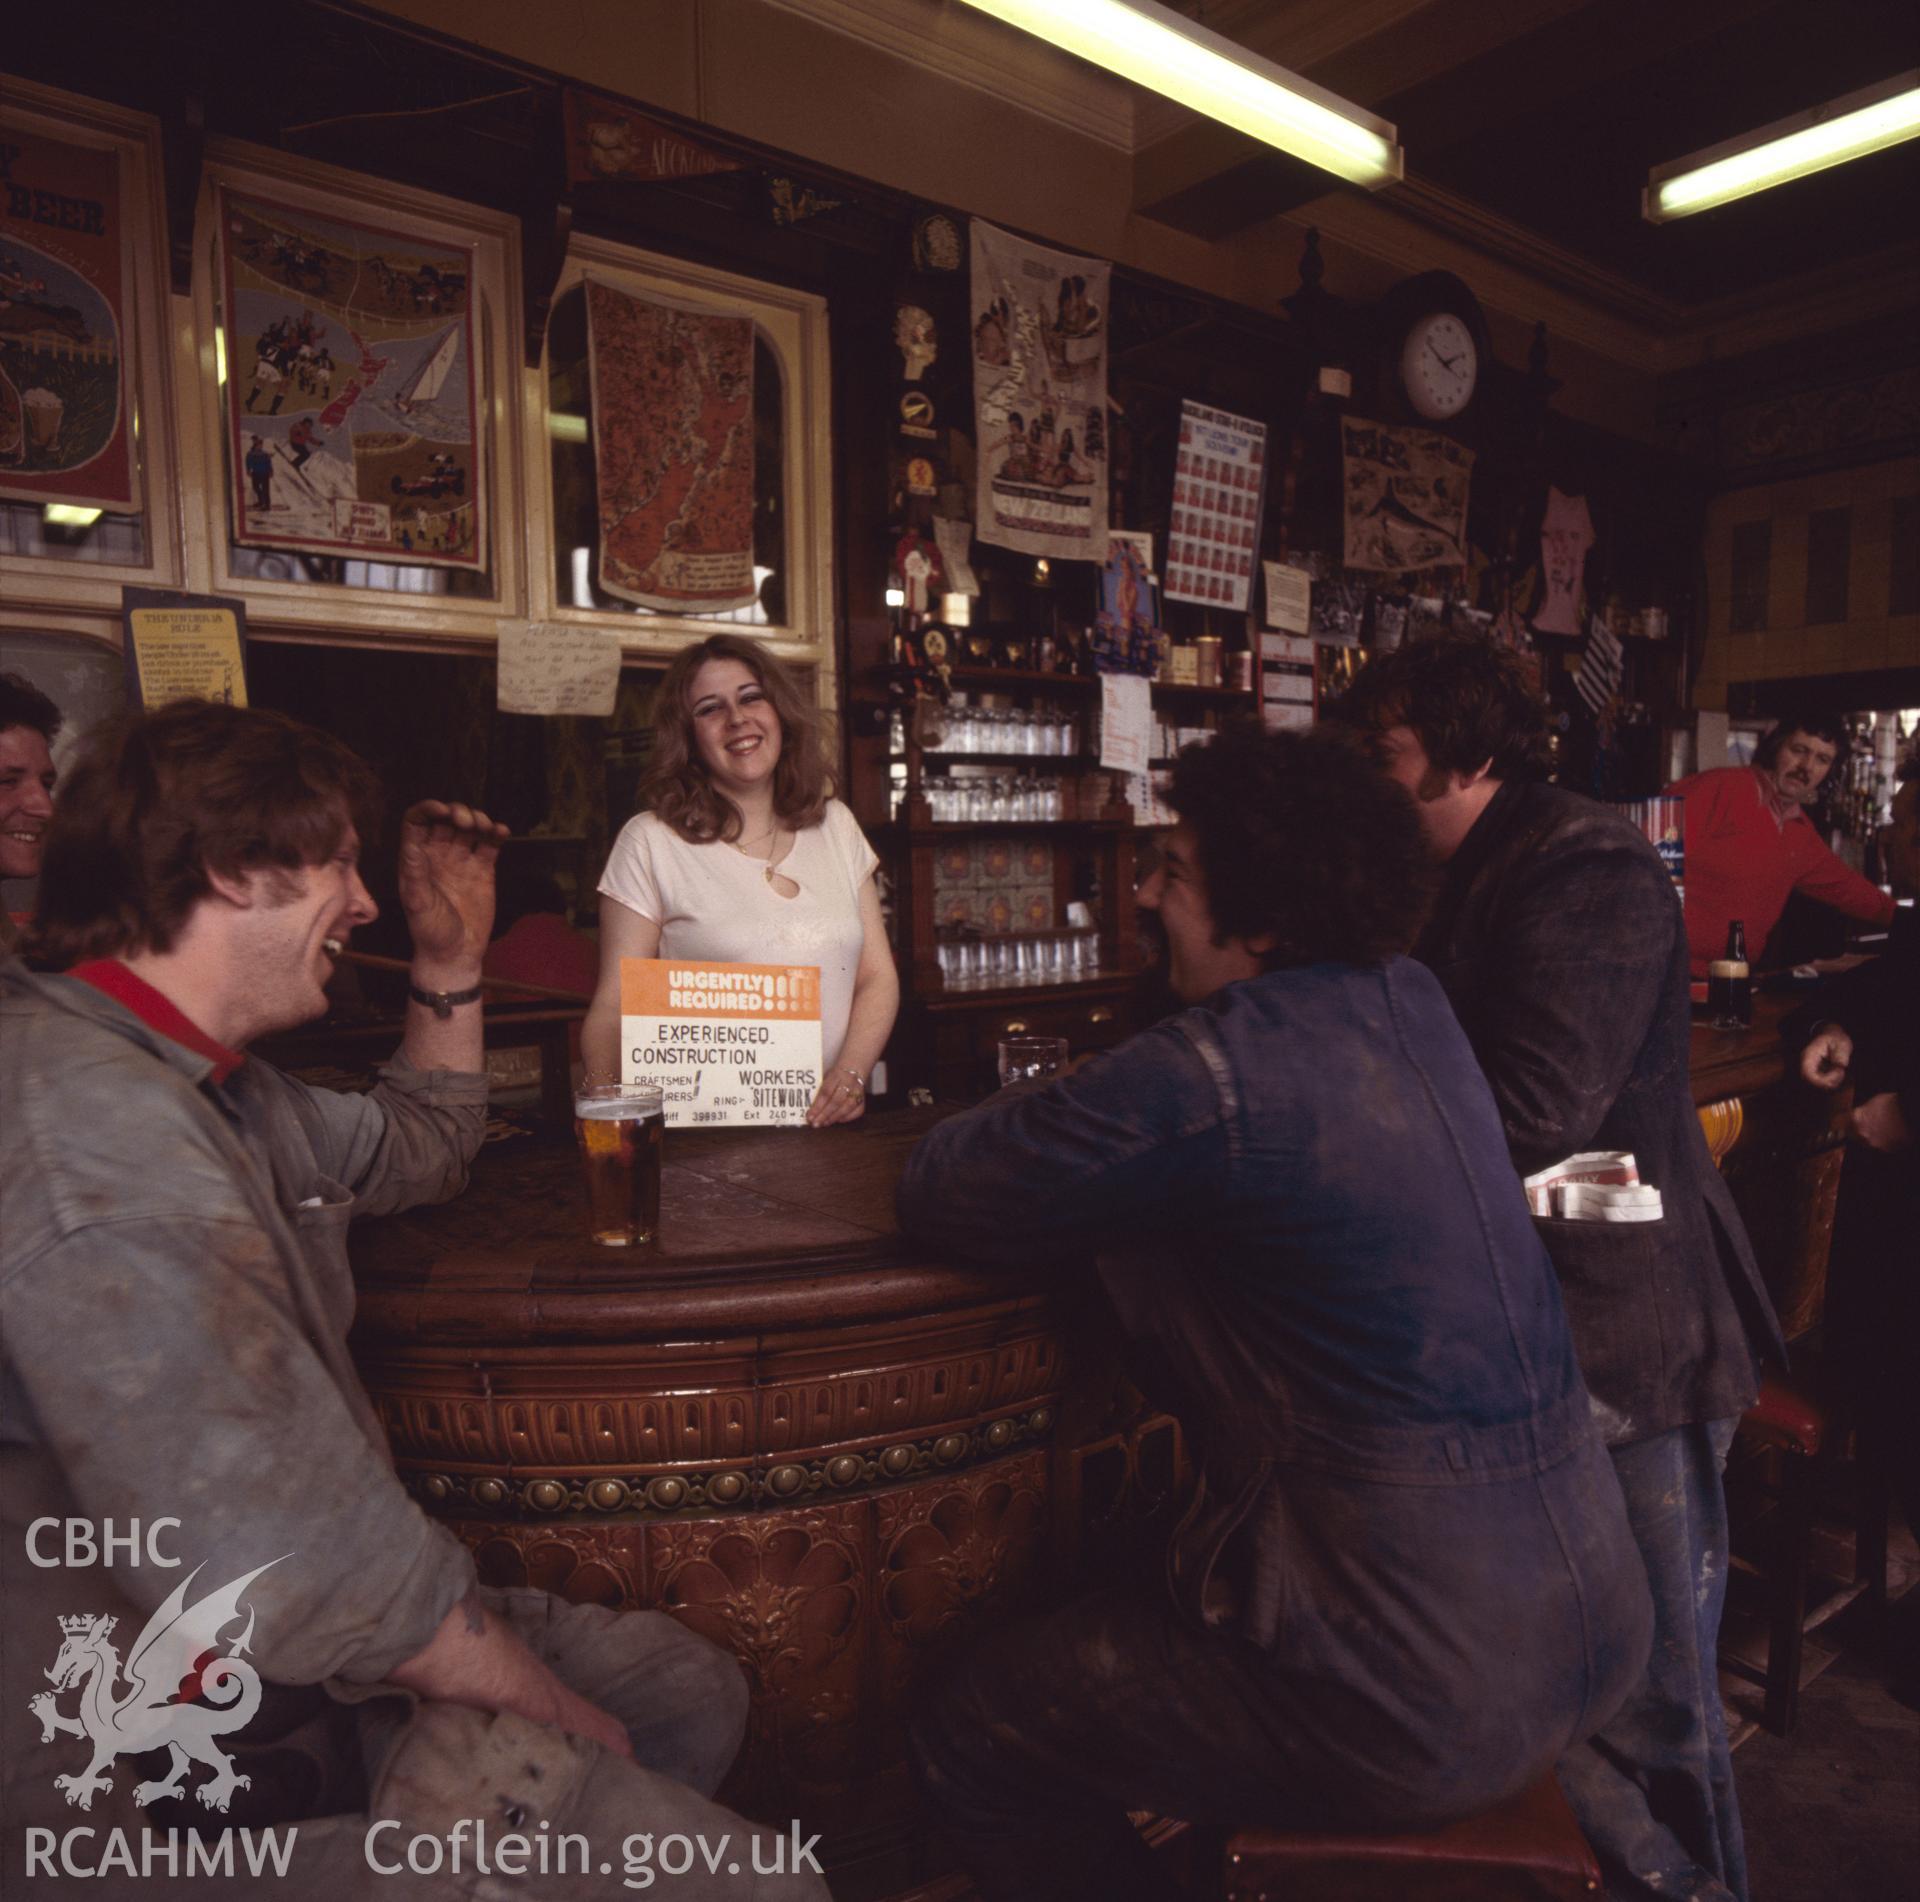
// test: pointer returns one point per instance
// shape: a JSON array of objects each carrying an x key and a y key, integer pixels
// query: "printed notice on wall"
[
  {"x": 549, "y": 668},
  {"x": 1289, "y": 597},
  {"x": 1126, "y": 722},
  {"x": 183, "y": 647},
  {"x": 729, "y": 1045}
]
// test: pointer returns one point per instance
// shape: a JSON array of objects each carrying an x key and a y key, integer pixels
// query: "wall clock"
[
  {"x": 1439, "y": 365},
  {"x": 1432, "y": 351}
]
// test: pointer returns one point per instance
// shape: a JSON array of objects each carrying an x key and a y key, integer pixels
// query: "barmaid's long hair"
[{"x": 675, "y": 784}]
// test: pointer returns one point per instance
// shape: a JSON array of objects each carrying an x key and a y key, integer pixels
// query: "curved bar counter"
[
  {"x": 790, "y": 1429},
  {"x": 782, "y": 1425}
]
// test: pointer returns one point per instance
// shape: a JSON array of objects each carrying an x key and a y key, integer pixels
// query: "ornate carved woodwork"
[
  {"x": 1780, "y": 1145},
  {"x": 778, "y": 1427}
]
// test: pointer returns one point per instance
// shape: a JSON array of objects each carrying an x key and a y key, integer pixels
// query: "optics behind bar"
[
  {"x": 1166, "y": 53},
  {"x": 1849, "y": 128}
]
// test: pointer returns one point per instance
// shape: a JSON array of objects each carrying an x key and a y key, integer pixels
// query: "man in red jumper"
[{"x": 1750, "y": 844}]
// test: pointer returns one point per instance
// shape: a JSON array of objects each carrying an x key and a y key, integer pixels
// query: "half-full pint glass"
[{"x": 620, "y": 1126}]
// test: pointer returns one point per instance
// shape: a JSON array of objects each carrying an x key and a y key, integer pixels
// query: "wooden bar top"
[
  {"x": 753, "y": 1225},
  {"x": 1738, "y": 1062}
]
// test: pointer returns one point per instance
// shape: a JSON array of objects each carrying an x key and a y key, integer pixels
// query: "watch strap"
[{"x": 441, "y": 1003}]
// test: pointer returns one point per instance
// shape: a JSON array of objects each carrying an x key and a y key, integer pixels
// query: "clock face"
[{"x": 1439, "y": 366}]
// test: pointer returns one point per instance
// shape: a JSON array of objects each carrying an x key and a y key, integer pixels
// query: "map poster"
[
  {"x": 1405, "y": 493},
  {"x": 1213, "y": 536},
  {"x": 183, "y": 647},
  {"x": 1039, "y": 397},
  {"x": 672, "y": 451},
  {"x": 351, "y": 391},
  {"x": 730, "y": 1045},
  {"x": 64, "y": 435}
]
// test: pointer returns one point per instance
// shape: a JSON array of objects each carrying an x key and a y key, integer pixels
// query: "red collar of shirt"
[
  {"x": 1783, "y": 811},
  {"x": 112, "y": 978}
]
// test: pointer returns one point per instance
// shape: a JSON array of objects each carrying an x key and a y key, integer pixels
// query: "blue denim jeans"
[{"x": 1654, "y": 1789}]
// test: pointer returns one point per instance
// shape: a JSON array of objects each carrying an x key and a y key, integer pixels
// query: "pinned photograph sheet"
[
  {"x": 1289, "y": 597},
  {"x": 1126, "y": 722},
  {"x": 729, "y": 1045},
  {"x": 1214, "y": 529},
  {"x": 955, "y": 542},
  {"x": 552, "y": 669}
]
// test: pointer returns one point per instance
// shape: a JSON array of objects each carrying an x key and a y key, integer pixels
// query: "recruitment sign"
[{"x": 729, "y": 1045}]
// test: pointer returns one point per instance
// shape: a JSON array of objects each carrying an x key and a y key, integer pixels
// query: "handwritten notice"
[
  {"x": 1126, "y": 722},
  {"x": 183, "y": 646},
  {"x": 1289, "y": 597},
  {"x": 729, "y": 1045},
  {"x": 549, "y": 668}
]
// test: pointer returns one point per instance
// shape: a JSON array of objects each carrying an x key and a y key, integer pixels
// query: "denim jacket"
[{"x": 1302, "y": 1193}]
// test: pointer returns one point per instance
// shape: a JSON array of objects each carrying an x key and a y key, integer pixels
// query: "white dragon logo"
[{"x": 173, "y": 1662}]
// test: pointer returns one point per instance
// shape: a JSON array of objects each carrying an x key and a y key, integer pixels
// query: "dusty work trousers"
[
  {"x": 448, "y": 1783},
  {"x": 1654, "y": 1788}
]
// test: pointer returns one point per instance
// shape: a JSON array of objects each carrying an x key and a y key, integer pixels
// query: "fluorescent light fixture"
[
  {"x": 220, "y": 356},
  {"x": 1843, "y": 129},
  {"x": 564, "y": 428},
  {"x": 66, "y": 515},
  {"x": 1165, "y": 52}
]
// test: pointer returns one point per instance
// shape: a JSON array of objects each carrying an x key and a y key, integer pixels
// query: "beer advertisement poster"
[
  {"x": 351, "y": 388},
  {"x": 729, "y": 1045},
  {"x": 183, "y": 647},
  {"x": 64, "y": 430}
]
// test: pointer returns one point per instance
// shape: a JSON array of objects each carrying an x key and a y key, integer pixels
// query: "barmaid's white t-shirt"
[{"x": 713, "y": 902}]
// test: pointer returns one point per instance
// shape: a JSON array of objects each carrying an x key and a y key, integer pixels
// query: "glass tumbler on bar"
[
  {"x": 620, "y": 1128},
  {"x": 1022, "y": 1059}
]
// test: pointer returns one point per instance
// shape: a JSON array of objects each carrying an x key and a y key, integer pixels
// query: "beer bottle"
[{"x": 1729, "y": 984}]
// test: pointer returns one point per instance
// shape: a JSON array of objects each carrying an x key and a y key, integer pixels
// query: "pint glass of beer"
[{"x": 619, "y": 1126}]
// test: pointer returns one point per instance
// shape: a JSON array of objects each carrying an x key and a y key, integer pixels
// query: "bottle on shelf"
[{"x": 1730, "y": 983}]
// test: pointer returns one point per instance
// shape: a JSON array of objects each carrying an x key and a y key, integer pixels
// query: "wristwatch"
[{"x": 441, "y": 1003}]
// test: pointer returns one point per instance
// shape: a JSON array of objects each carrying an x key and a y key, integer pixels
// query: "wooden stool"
[
  {"x": 1809, "y": 1446},
  {"x": 1528, "y": 1849},
  {"x": 1793, "y": 1426}
]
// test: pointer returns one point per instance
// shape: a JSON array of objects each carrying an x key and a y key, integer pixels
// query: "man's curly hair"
[
  {"x": 1301, "y": 838},
  {"x": 1466, "y": 699}
]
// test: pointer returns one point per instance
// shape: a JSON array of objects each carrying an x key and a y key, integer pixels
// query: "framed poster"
[
  {"x": 352, "y": 403},
  {"x": 65, "y": 357},
  {"x": 673, "y": 446}
]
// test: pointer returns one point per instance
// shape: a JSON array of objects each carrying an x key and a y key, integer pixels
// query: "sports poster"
[
  {"x": 729, "y": 1045},
  {"x": 351, "y": 388},
  {"x": 1039, "y": 397},
  {"x": 64, "y": 434},
  {"x": 672, "y": 451},
  {"x": 1213, "y": 535},
  {"x": 1405, "y": 497}
]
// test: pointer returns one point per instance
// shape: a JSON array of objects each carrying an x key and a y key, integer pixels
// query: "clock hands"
[{"x": 1447, "y": 363}]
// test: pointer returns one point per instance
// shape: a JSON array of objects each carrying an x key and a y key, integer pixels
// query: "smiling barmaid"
[{"x": 741, "y": 853}]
